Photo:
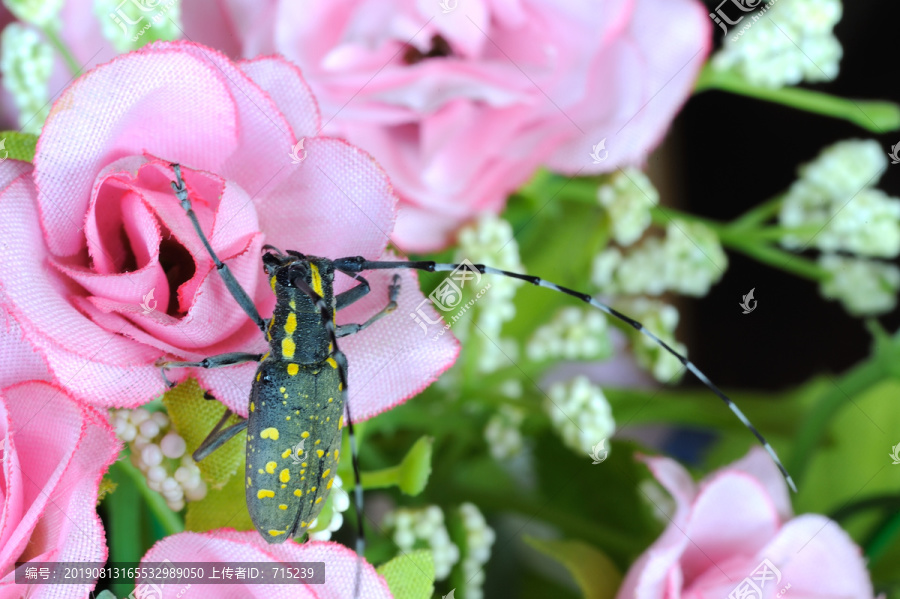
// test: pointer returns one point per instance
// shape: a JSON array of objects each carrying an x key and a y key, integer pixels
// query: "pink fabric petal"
[
  {"x": 233, "y": 547},
  {"x": 58, "y": 453},
  {"x": 283, "y": 81}
]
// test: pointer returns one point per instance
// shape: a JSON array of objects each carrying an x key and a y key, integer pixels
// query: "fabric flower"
[
  {"x": 733, "y": 524},
  {"x": 53, "y": 453},
  {"x": 461, "y": 106},
  {"x": 231, "y": 547},
  {"x": 105, "y": 273}
]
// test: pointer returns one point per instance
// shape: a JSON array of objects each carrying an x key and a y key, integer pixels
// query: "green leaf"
[
  {"x": 19, "y": 145},
  {"x": 592, "y": 570},
  {"x": 225, "y": 507},
  {"x": 411, "y": 475},
  {"x": 857, "y": 464},
  {"x": 193, "y": 418},
  {"x": 410, "y": 575}
]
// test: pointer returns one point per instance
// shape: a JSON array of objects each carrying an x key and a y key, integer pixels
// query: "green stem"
[
  {"x": 778, "y": 258},
  {"x": 64, "y": 51},
  {"x": 759, "y": 214},
  {"x": 169, "y": 520},
  {"x": 874, "y": 116},
  {"x": 889, "y": 502},
  {"x": 776, "y": 233}
]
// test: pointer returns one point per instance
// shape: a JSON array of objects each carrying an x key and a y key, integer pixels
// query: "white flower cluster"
[
  {"x": 689, "y": 260},
  {"x": 479, "y": 540},
  {"x": 340, "y": 502},
  {"x": 865, "y": 287},
  {"x": 131, "y": 25},
  {"x": 151, "y": 442},
  {"x": 502, "y": 432},
  {"x": 834, "y": 196},
  {"x": 26, "y": 62},
  {"x": 628, "y": 197},
  {"x": 490, "y": 240},
  {"x": 573, "y": 334},
  {"x": 38, "y": 12},
  {"x": 661, "y": 320},
  {"x": 787, "y": 42},
  {"x": 580, "y": 413},
  {"x": 426, "y": 524}
]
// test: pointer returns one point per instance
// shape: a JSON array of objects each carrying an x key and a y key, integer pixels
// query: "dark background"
[{"x": 731, "y": 153}]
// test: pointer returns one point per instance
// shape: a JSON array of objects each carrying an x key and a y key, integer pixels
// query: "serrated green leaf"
[
  {"x": 410, "y": 575},
  {"x": 595, "y": 573},
  {"x": 193, "y": 418},
  {"x": 225, "y": 507},
  {"x": 20, "y": 146}
]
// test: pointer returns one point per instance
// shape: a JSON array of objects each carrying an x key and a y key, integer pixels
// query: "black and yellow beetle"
[{"x": 299, "y": 395}]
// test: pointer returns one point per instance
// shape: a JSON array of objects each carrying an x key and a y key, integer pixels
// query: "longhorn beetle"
[{"x": 299, "y": 395}]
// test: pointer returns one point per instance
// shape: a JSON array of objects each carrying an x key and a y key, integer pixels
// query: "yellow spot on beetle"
[
  {"x": 290, "y": 324},
  {"x": 332, "y": 362},
  {"x": 270, "y": 467},
  {"x": 318, "y": 499},
  {"x": 293, "y": 305},
  {"x": 305, "y": 434},
  {"x": 261, "y": 471},
  {"x": 275, "y": 533},
  {"x": 293, "y": 369},
  {"x": 263, "y": 493},
  {"x": 282, "y": 506},
  {"x": 282, "y": 389},
  {"x": 330, "y": 482},
  {"x": 316, "y": 279},
  {"x": 287, "y": 417},
  {"x": 320, "y": 452},
  {"x": 341, "y": 422},
  {"x": 285, "y": 454},
  {"x": 258, "y": 375},
  {"x": 271, "y": 433},
  {"x": 326, "y": 473},
  {"x": 336, "y": 454},
  {"x": 272, "y": 283},
  {"x": 253, "y": 405},
  {"x": 285, "y": 475},
  {"x": 287, "y": 348},
  {"x": 249, "y": 482}
]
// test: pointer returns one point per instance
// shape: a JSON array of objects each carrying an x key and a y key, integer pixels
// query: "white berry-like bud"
[
  {"x": 148, "y": 428},
  {"x": 172, "y": 445}
]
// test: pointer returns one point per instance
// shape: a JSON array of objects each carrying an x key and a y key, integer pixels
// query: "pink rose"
[
  {"x": 53, "y": 452},
  {"x": 461, "y": 101},
  {"x": 234, "y": 548},
  {"x": 95, "y": 229},
  {"x": 735, "y": 529}
]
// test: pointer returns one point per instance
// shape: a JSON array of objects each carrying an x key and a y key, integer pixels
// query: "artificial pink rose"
[
  {"x": 53, "y": 452},
  {"x": 95, "y": 229},
  {"x": 461, "y": 101},
  {"x": 736, "y": 529},
  {"x": 232, "y": 548}
]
